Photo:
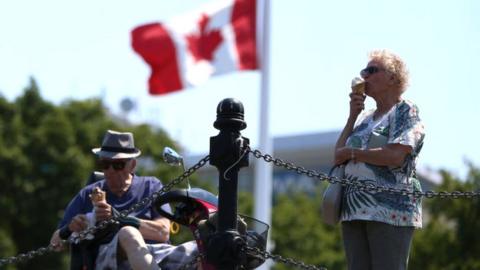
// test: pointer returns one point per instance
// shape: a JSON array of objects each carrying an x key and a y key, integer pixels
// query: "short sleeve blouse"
[{"x": 401, "y": 125}]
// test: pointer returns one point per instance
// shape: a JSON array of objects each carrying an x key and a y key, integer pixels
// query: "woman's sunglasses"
[
  {"x": 369, "y": 71},
  {"x": 117, "y": 165}
]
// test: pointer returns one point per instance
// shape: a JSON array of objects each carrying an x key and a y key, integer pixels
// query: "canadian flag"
[{"x": 187, "y": 50}]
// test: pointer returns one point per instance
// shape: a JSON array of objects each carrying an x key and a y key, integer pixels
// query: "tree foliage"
[
  {"x": 298, "y": 232},
  {"x": 450, "y": 239},
  {"x": 45, "y": 158}
]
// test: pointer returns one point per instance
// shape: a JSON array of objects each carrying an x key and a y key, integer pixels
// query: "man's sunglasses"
[
  {"x": 117, "y": 165},
  {"x": 369, "y": 71}
]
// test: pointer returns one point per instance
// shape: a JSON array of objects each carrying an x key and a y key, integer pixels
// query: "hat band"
[{"x": 119, "y": 149}]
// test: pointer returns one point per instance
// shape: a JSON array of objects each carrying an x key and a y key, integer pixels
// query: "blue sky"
[{"x": 81, "y": 49}]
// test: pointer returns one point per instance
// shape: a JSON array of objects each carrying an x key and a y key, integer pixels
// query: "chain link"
[
  {"x": 264, "y": 254},
  {"x": 27, "y": 256},
  {"x": 361, "y": 185},
  {"x": 277, "y": 258},
  {"x": 83, "y": 234}
]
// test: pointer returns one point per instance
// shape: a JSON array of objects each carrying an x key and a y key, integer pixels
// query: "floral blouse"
[{"x": 401, "y": 125}]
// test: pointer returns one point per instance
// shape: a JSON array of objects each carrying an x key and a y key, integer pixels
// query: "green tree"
[
  {"x": 45, "y": 158},
  {"x": 451, "y": 235},
  {"x": 298, "y": 232}
]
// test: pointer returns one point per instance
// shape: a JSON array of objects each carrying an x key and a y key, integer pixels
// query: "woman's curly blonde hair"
[{"x": 394, "y": 65}]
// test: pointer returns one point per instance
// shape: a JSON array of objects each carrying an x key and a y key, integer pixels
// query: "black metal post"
[{"x": 226, "y": 154}]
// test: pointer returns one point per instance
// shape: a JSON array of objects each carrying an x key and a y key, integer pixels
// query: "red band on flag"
[
  {"x": 244, "y": 26},
  {"x": 154, "y": 44}
]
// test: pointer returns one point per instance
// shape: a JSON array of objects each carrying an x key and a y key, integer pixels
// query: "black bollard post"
[{"x": 226, "y": 154}]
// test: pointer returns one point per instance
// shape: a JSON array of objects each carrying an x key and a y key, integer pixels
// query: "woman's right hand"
[{"x": 357, "y": 104}]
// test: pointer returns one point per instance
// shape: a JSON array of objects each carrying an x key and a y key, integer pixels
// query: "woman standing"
[{"x": 380, "y": 147}]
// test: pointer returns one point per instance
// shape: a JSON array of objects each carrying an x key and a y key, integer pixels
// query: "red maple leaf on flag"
[{"x": 202, "y": 45}]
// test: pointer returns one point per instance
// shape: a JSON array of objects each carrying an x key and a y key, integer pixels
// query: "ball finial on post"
[{"x": 230, "y": 114}]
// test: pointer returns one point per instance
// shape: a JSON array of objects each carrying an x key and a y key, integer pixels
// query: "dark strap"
[
  {"x": 335, "y": 167},
  {"x": 126, "y": 221},
  {"x": 119, "y": 149}
]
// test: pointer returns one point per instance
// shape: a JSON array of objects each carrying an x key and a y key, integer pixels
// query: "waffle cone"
[
  {"x": 359, "y": 88},
  {"x": 98, "y": 195}
]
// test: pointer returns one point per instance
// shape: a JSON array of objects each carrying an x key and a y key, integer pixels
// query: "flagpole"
[{"x": 264, "y": 170}]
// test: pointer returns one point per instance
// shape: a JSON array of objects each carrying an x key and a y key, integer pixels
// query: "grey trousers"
[{"x": 371, "y": 245}]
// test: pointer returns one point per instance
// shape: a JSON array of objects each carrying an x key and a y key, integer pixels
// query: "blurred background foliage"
[{"x": 45, "y": 158}]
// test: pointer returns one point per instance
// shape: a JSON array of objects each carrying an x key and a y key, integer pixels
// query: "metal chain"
[
  {"x": 361, "y": 185},
  {"x": 264, "y": 254},
  {"x": 27, "y": 256},
  {"x": 83, "y": 234},
  {"x": 280, "y": 259}
]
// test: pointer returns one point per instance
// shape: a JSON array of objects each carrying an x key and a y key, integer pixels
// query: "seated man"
[
  {"x": 128, "y": 242},
  {"x": 123, "y": 189}
]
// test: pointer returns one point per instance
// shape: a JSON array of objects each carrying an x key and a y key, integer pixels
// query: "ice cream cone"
[
  {"x": 97, "y": 195},
  {"x": 358, "y": 86}
]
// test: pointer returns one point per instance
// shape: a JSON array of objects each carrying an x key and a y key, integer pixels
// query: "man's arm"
[
  {"x": 156, "y": 230},
  {"x": 73, "y": 219},
  {"x": 77, "y": 224}
]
